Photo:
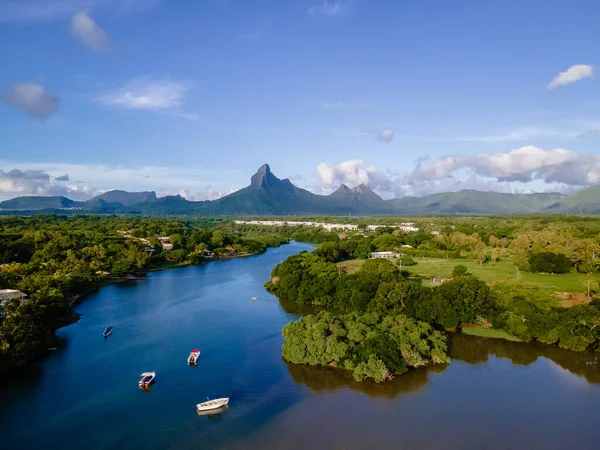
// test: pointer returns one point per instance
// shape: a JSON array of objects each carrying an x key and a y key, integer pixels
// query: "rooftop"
[{"x": 6, "y": 294}]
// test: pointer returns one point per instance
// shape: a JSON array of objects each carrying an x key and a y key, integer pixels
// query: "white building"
[
  {"x": 9, "y": 294},
  {"x": 385, "y": 255},
  {"x": 407, "y": 227}
]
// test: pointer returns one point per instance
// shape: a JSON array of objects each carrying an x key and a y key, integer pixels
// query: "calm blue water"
[{"x": 495, "y": 394}]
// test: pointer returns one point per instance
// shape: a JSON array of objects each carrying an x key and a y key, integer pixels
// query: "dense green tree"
[
  {"x": 459, "y": 270},
  {"x": 549, "y": 262}
]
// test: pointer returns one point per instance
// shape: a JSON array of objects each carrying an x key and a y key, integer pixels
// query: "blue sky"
[{"x": 192, "y": 97}]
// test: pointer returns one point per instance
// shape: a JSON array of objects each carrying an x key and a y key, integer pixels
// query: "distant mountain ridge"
[{"x": 268, "y": 195}]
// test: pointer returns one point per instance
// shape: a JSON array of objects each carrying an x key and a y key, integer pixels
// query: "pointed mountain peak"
[
  {"x": 343, "y": 189},
  {"x": 262, "y": 176},
  {"x": 264, "y": 169}
]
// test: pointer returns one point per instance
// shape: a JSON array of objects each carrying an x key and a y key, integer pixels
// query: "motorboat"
[
  {"x": 107, "y": 331},
  {"x": 193, "y": 358},
  {"x": 254, "y": 298},
  {"x": 212, "y": 404},
  {"x": 147, "y": 379}
]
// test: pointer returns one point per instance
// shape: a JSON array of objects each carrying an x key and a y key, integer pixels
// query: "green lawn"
[
  {"x": 503, "y": 271},
  {"x": 489, "y": 333},
  {"x": 352, "y": 265}
]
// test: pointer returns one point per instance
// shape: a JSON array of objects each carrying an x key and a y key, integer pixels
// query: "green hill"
[
  {"x": 269, "y": 196},
  {"x": 32, "y": 203}
]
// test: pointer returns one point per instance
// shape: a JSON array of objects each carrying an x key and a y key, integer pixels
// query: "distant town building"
[
  {"x": 407, "y": 227},
  {"x": 385, "y": 255},
  {"x": 9, "y": 294}
]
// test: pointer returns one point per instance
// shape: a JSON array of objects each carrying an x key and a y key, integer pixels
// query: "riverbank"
[
  {"x": 511, "y": 394},
  {"x": 13, "y": 363}
]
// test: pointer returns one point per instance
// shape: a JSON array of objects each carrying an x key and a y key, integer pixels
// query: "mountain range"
[{"x": 267, "y": 195}]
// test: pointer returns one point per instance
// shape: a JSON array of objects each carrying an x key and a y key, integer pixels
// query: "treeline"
[
  {"x": 52, "y": 259},
  {"x": 534, "y": 246},
  {"x": 370, "y": 345},
  {"x": 380, "y": 287}
]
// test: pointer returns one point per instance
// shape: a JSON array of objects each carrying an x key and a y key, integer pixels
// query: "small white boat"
[
  {"x": 147, "y": 379},
  {"x": 254, "y": 298},
  {"x": 212, "y": 404},
  {"x": 213, "y": 412},
  {"x": 107, "y": 331},
  {"x": 193, "y": 358}
]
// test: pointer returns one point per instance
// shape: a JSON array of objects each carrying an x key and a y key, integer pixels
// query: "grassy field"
[
  {"x": 503, "y": 271},
  {"x": 489, "y": 333}
]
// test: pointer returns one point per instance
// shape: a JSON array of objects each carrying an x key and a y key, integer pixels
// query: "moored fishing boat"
[
  {"x": 107, "y": 331},
  {"x": 193, "y": 358},
  {"x": 147, "y": 379},
  {"x": 212, "y": 404}
]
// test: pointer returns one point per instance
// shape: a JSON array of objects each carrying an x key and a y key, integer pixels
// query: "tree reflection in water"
[
  {"x": 469, "y": 349},
  {"x": 326, "y": 379},
  {"x": 476, "y": 350}
]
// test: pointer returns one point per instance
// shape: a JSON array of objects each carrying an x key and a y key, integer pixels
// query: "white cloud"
[
  {"x": 17, "y": 183},
  {"x": 385, "y": 136},
  {"x": 208, "y": 193},
  {"x": 84, "y": 27},
  {"x": 524, "y": 164},
  {"x": 43, "y": 10},
  {"x": 196, "y": 182},
  {"x": 331, "y": 8},
  {"x": 149, "y": 94},
  {"x": 353, "y": 173},
  {"x": 524, "y": 169},
  {"x": 571, "y": 75},
  {"x": 33, "y": 99}
]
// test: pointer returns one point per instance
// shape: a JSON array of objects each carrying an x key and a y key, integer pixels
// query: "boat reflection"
[{"x": 213, "y": 413}]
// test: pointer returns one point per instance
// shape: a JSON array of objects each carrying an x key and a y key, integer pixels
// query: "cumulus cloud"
[
  {"x": 84, "y": 27},
  {"x": 194, "y": 183},
  {"x": 385, "y": 136},
  {"x": 207, "y": 193},
  {"x": 523, "y": 169},
  {"x": 523, "y": 165},
  {"x": 571, "y": 75},
  {"x": 150, "y": 94},
  {"x": 354, "y": 173},
  {"x": 33, "y": 99},
  {"x": 43, "y": 10},
  {"x": 17, "y": 183},
  {"x": 336, "y": 8}
]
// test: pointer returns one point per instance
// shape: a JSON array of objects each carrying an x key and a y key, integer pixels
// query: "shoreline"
[{"x": 10, "y": 365}]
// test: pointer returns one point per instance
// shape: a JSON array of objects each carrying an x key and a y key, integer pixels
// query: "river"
[{"x": 495, "y": 394}]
